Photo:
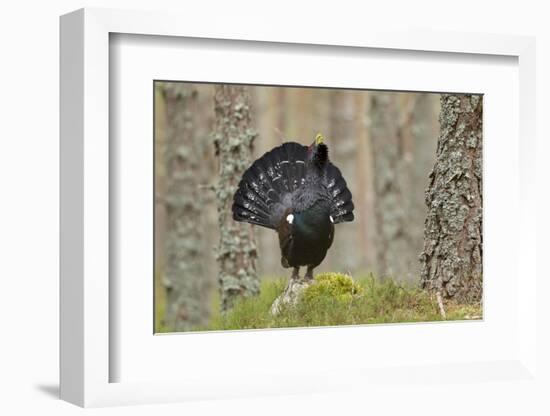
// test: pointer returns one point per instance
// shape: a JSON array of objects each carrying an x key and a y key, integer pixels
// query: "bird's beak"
[{"x": 319, "y": 139}]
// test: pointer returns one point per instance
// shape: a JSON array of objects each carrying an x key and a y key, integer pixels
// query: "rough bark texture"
[
  {"x": 393, "y": 242},
  {"x": 233, "y": 140},
  {"x": 451, "y": 263},
  {"x": 184, "y": 280}
]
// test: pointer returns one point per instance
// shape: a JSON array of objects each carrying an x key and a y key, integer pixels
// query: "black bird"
[{"x": 298, "y": 192}]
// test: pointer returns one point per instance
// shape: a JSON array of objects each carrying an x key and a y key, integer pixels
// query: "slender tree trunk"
[
  {"x": 393, "y": 242},
  {"x": 269, "y": 107},
  {"x": 233, "y": 139},
  {"x": 344, "y": 150},
  {"x": 451, "y": 263},
  {"x": 424, "y": 132},
  {"x": 364, "y": 200},
  {"x": 184, "y": 280}
]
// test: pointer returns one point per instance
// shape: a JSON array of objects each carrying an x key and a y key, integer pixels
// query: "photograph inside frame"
[{"x": 285, "y": 207}]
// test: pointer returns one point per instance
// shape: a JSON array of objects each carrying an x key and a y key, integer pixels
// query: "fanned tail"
[{"x": 264, "y": 192}]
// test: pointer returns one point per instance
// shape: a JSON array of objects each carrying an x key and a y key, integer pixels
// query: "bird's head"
[{"x": 317, "y": 153}]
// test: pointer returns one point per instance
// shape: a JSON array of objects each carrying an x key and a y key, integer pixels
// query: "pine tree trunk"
[
  {"x": 393, "y": 242},
  {"x": 233, "y": 139},
  {"x": 363, "y": 198},
  {"x": 265, "y": 101},
  {"x": 344, "y": 149},
  {"x": 451, "y": 263},
  {"x": 424, "y": 134},
  {"x": 184, "y": 280}
]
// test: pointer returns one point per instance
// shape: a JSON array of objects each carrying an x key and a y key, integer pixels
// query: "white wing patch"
[
  {"x": 331, "y": 219},
  {"x": 289, "y": 218}
]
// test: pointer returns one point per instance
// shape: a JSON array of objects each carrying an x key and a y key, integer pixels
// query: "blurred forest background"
[{"x": 385, "y": 144}]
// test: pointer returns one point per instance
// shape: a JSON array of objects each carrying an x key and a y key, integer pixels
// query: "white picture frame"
[{"x": 86, "y": 355}]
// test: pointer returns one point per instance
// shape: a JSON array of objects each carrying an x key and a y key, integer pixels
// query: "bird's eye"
[{"x": 289, "y": 218}]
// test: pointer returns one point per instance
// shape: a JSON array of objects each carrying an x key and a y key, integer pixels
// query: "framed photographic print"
[
  {"x": 369, "y": 175},
  {"x": 271, "y": 213}
]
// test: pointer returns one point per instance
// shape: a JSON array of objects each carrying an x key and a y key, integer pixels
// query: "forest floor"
[{"x": 367, "y": 301}]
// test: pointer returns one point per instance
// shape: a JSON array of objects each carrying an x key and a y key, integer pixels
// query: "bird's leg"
[
  {"x": 309, "y": 273},
  {"x": 295, "y": 274}
]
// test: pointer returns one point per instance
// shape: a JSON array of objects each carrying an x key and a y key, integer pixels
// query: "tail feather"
[
  {"x": 252, "y": 202},
  {"x": 263, "y": 191},
  {"x": 342, "y": 204},
  {"x": 255, "y": 190},
  {"x": 295, "y": 168}
]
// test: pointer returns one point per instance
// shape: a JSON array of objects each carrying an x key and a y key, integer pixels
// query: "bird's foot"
[
  {"x": 309, "y": 274},
  {"x": 295, "y": 273}
]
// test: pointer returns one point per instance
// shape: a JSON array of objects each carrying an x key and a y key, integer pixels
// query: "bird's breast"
[{"x": 311, "y": 225}]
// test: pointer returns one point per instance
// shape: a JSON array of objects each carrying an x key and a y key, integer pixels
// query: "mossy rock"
[{"x": 337, "y": 286}]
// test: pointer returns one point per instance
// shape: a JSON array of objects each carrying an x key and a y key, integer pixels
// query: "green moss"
[{"x": 339, "y": 286}]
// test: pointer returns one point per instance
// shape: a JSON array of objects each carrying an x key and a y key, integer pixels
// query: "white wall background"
[{"x": 29, "y": 203}]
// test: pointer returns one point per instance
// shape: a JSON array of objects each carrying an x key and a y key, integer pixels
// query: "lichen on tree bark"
[
  {"x": 184, "y": 280},
  {"x": 451, "y": 262},
  {"x": 233, "y": 140}
]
